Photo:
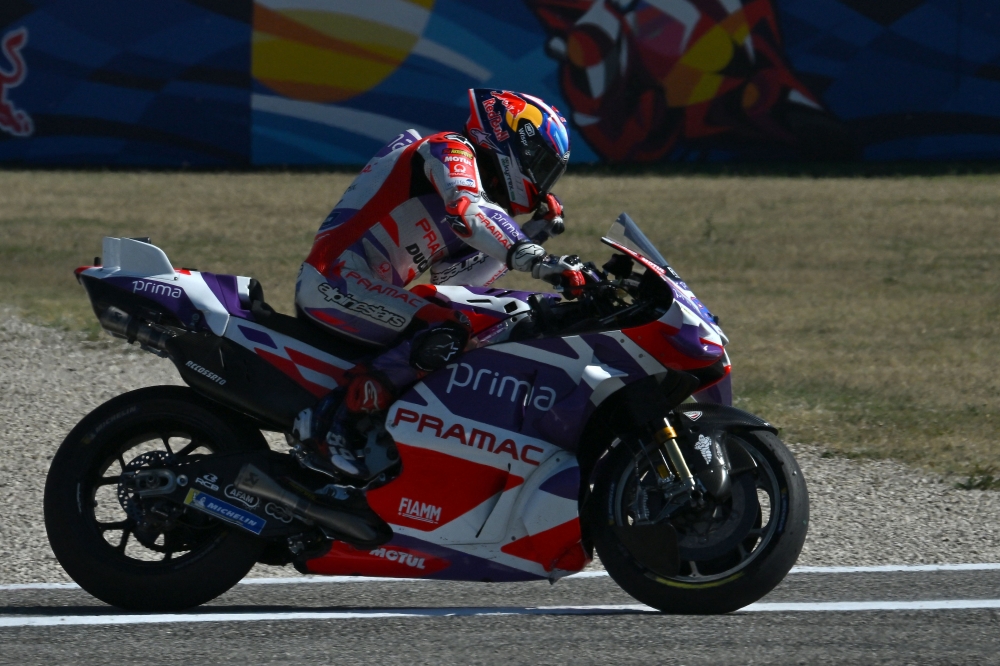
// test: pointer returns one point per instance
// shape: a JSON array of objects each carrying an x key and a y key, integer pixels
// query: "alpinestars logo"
[
  {"x": 371, "y": 310},
  {"x": 483, "y": 139}
]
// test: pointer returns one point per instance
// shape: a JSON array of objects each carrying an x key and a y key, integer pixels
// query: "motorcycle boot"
[{"x": 333, "y": 435}]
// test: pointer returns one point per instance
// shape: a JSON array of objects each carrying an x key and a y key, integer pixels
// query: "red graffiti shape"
[{"x": 12, "y": 119}]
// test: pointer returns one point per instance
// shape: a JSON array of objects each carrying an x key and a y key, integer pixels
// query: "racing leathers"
[{"x": 416, "y": 206}]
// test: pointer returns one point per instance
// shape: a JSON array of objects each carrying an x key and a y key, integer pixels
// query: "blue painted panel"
[{"x": 171, "y": 82}]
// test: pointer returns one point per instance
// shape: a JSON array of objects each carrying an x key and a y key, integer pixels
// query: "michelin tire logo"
[{"x": 224, "y": 511}]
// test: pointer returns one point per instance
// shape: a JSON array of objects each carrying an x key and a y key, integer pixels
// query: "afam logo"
[
  {"x": 417, "y": 510},
  {"x": 250, "y": 501}
]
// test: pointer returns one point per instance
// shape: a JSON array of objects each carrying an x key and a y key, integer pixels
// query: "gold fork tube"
[{"x": 667, "y": 438}]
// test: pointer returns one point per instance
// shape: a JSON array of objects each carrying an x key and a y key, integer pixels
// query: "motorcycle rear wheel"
[
  {"x": 715, "y": 578},
  {"x": 101, "y": 533}
]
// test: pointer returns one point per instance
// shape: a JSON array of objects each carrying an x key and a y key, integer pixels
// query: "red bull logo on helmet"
[
  {"x": 12, "y": 119},
  {"x": 495, "y": 120},
  {"x": 517, "y": 108}
]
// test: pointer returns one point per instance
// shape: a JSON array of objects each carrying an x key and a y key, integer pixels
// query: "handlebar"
[{"x": 605, "y": 303}]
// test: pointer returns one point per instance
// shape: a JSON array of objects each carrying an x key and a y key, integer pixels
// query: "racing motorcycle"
[{"x": 602, "y": 423}]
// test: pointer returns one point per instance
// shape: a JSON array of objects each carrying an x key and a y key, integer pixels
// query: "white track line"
[
  {"x": 842, "y": 606},
  {"x": 195, "y": 618},
  {"x": 300, "y": 580},
  {"x": 70, "y": 620}
]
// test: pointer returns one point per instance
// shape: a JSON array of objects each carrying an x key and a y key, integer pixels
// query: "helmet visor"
[{"x": 542, "y": 164}]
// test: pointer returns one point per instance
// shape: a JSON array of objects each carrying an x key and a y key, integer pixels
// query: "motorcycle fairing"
[
  {"x": 316, "y": 371},
  {"x": 544, "y": 388},
  {"x": 214, "y": 303},
  {"x": 495, "y": 432},
  {"x": 491, "y": 512},
  {"x": 484, "y": 306},
  {"x": 686, "y": 336}
]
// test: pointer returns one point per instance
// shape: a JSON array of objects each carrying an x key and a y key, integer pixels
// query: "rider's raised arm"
[{"x": 450, "y": 165}]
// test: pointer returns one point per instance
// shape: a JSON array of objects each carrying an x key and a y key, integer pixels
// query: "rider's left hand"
[{"x": 547, "y": 220}]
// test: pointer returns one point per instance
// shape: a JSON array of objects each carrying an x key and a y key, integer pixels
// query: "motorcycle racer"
[{"x": 443, "y": 203}]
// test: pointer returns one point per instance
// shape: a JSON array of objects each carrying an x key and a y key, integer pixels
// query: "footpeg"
[{"x": 359, "y": 531}]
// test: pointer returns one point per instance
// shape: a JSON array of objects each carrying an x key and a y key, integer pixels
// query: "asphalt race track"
[{"x": 890, "y": 615}]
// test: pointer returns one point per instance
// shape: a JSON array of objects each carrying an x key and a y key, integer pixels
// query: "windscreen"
[{"x": 626, "y": 232}]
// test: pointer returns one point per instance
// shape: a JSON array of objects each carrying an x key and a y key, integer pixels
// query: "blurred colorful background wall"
[{"x": 312, "y": 82}]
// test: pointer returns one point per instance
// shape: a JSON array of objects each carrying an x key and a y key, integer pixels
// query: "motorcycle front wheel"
[
  {"x": 731, "y": 553},
  {"x": 134, "y": 553}
]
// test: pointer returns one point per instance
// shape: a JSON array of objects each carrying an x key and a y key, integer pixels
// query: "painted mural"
[{"x": 168, "y": 83}]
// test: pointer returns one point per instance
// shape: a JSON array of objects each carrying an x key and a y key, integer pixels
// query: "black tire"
[
  {"x": 730, "y": 577},
  {"x": 215, "y": 556}
]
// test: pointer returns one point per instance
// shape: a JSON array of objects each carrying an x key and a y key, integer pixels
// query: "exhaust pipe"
[
  {"x": 355, "y": 530},
  {"x": 121, "y": 324}
]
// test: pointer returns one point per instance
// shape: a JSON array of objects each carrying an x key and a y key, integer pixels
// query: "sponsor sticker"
[
  {"x": 704, "y": 447},
  {"x": 205, "y": 372},
  {"x": 279, "y": 512},
  {"x": 495, "y": 120},
  {"x": 224, "y": 511},
  {"x": 248, "y": 500},
  {"x": 417, "y": 510},
  {"x": 471, "y": 437},
  {"x": 401, "y": 556},
  {"x": 694, "y": 416},
  {"x": 208, "y": 481},
  {"x": 373, "y": 311},
  {"x": 155, "y": 288},
  {"x": 442, "y": 276},
  {"x": 495, "y": 385}
]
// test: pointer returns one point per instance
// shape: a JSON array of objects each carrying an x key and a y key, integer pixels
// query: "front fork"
[{"x": 673, "y": 460}]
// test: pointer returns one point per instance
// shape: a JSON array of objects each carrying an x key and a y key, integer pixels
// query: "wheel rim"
[
  {"x": 699, "y": 538},
  {"x": 153, "y": 531}
]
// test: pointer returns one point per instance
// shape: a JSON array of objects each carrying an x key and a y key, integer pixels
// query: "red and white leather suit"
[{"x": 417, "y": 205}]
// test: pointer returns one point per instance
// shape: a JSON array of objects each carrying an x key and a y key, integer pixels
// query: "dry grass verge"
[{"x": 863, "y": 313}]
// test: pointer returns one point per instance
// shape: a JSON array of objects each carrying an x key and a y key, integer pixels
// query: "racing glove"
[
  {"x": 565, "y": 271},
  {"x": 547, "y": 220}
]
